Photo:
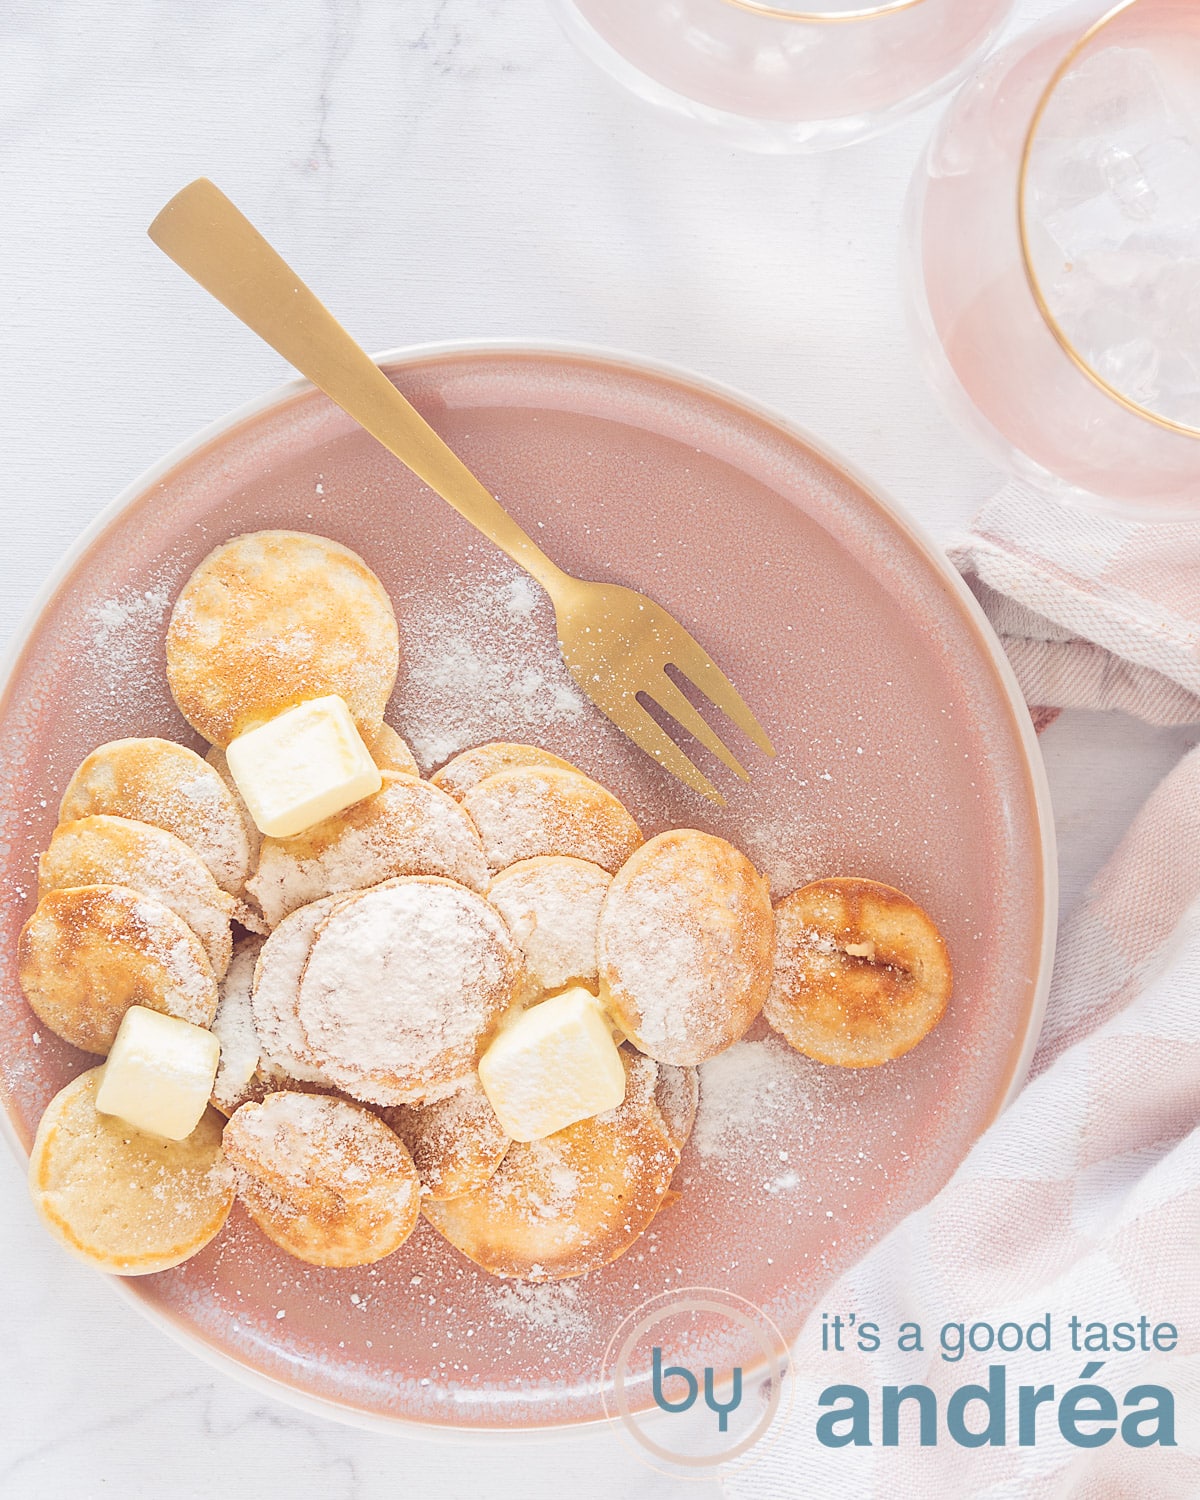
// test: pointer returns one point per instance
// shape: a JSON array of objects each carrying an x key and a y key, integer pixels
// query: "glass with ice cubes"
[{"x": 1055, "y": 245}]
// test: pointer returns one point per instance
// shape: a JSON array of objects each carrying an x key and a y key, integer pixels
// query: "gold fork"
[{"x": 617, "y": 643}]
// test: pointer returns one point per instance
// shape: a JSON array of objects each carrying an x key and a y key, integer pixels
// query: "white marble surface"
[{"x": 437, "y": 169}]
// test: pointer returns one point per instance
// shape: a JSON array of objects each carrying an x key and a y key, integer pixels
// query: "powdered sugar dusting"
[
  {"x": 785, "y": 848},
  {"x": 554, "y": 1310},
  {"x": 752, "y": 1094},
  {"x": 123, "y": 629},
  {"x": 407, "y": 828},
  {"x": 160, "y": 782},
  {"x": 553, "y": 907},
  {"x": 677, "y": 1094},
  {"x": 484, "y": 667},
  {"x": 296, "y": 1136},
  {"x": 686, "y": 937},
  {"x": 456, "y": 1143},
  {"x": 277, "y": 987},
  {"x": 104, "y": 850},
  {"x": 155, "y": 930},
  {"x": 531, "y": 811},
  {"x": 233, "y": 1027},
  {"x": 402, "y": 983}
]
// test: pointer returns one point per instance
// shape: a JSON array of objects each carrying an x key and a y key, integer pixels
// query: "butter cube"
[
  {"x": 305, "y": 764},
  {"x": 555, "y": 1064},
  {"x": 159, "y": 1073}
]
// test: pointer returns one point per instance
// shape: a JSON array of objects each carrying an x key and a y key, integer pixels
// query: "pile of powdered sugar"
[
  {"x": 553, "y": 1310},
  {"x": 122, "y": 630},
  {"x": 753, "y": 1094}
]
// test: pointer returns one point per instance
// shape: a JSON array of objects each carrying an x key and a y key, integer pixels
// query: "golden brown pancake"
[
  {"x": 325, "y": 1179},
  {"x": 534, "y": 810},
  {"x": 677, "y": 1095},
  {"x": 574, "y": 1201},
  {"x": 861, "y": 972},
  {"x": 88, "y": 953},
  {"x": 124, "y": 1201},
  {"x": 459, "y": 775},
  {"x": 271, "y": 619},
  {"x": 119, "y": 851},
  {"x": 390, "y": 751},
  {"x": 456, "y": 1143},
  {"x": 160, "y": 782},
  {"x": 284, "y": 1052},
  {"x": 248, "y": 1070},
  {"x": 686, "y": 940},
  {"x": 237, "y": 1079}
]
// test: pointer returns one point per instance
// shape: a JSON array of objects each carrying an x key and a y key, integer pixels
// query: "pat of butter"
[
  {"x": 304, "y": 765},
  {"x": 553, "y": 1066},
  {"x": 159, "y": 1074}
]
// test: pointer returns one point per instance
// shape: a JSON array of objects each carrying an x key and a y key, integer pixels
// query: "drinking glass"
[
  {"x": 786, "y": 76},
  {"x": 1054, "y": 234}
]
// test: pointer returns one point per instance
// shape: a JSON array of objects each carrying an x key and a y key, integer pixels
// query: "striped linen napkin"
[{"x": 1083, "y": 1199}]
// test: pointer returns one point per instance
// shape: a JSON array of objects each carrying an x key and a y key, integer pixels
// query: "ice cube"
[
  {"x": 1116, "y": 95},
  {"x": 1133, "y": 368},
  {"x": 1114, "y": 198}
]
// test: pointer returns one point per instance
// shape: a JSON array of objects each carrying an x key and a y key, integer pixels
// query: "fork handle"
[{"x": 214, "y": 242}]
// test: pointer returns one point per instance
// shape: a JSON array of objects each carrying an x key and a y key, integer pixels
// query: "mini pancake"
[
  {"x": 390, "y": 752},
  {"x": 124, "y": 1201},
  {"x": 456, "y": 1143},
  {"x": 459, "y": 775},
  {"x": 233, "y": 1026},
  {"x": 271, "y": 619},
  {"x": 245, "y": 912},
  {"x": 325, "y": 1179},
  {"x": 861, "y": 973},
  {"x": 534, "y": 810},
  {"x": 216, "y": 758},
  {"x": 403, "y": 986},
  {"x": 677, "y": 1095},
  {"x": 119, "y": 851},
  {"x": 276, "y": 989},
  {"x": 686, "y": 940},
  {"x": 160, "y": 782},
  {"x": 248, "y": 1069},
  {"x": 87, "y": 954},
  {"x": 552, "y": 906},
  {"x": 407, "y": 828},
  {"x": 574, "y": 1201}
]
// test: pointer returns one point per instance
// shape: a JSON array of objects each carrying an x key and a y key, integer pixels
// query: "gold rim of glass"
[
  {"x": 1060, "y": 334},
  {"x": 819, "y": 18}
]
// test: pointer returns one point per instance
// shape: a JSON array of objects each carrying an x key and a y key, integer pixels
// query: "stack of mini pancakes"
[{"x": 382, "y": 949}]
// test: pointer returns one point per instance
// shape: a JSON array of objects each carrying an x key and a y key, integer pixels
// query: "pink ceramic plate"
[{"x": 904, "y": 754}]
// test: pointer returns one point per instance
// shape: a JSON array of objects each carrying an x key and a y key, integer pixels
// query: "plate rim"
[{"x": 636, "y": 364}]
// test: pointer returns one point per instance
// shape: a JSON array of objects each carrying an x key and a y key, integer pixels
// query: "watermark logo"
[
  {"x": 681, "y": 1372},
  {"x": 698, "y": 1378}
]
